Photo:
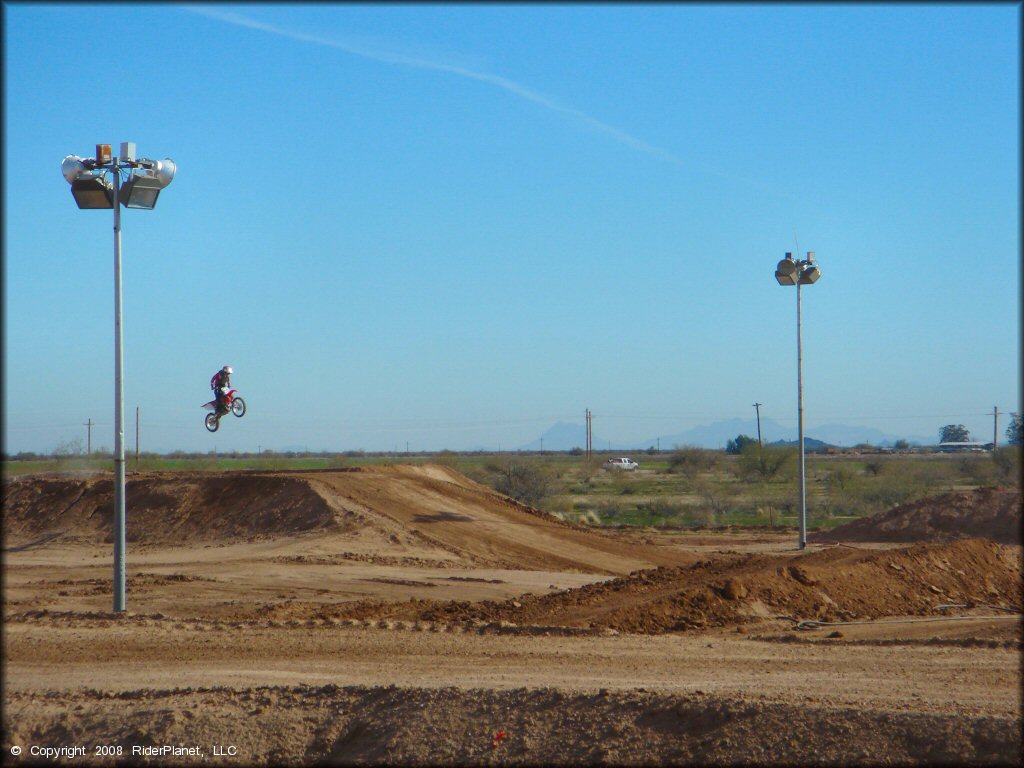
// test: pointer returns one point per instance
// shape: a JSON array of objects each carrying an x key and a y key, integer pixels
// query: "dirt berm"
[
  {"x": 430, "y": 510},
  {"x": 838, "y": 584},
  {"x": 990, "y": 513}
]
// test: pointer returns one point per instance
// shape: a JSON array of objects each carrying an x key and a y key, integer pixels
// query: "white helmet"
[{"x": 227, "y": 370}]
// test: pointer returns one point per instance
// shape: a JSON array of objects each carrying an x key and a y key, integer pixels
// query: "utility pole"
[
  {"x": 89, "y": 437},
  {"x": 757, "y": 406},
  {"x": 136, "y": 438},
  {"x": 995, "y": 427},
  {"x": 590, "y": 434}
]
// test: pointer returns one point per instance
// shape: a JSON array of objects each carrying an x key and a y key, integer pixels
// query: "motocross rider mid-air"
[{"x": 220, "y": 383}]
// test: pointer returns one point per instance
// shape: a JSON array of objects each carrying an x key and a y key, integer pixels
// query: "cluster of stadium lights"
[
  {"x": 802, "y": 272},
  {"x": 92, "y": 189}
]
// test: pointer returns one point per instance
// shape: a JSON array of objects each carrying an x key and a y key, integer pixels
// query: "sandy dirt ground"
[{"x": 406, "y": 615}]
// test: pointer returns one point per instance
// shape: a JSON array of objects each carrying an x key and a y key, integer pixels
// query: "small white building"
[{"x": 964, "y": 447}]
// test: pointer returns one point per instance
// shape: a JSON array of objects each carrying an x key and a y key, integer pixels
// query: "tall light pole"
[
  {"x": 92, "y": 190},
  {"x": 799, "y": 272}
]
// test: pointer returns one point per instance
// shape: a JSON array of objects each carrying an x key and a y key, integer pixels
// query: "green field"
[{"x": 685, "y": 488}]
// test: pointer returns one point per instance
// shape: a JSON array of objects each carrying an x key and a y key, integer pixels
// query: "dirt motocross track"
[{"x": 406, "y": 615}]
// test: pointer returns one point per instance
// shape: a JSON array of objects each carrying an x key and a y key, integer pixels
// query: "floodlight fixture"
[
  {"x": 163, "y": 171},
  {"x": 786, "y": 272},
  {"x": 810, "y": 275},
  {"x": 140, "y": 191},
  {"x": 92, "y": 192},
  {"x": 143, "y": 187},
  {"x": 73, "y": 167},
  {"x": 785, "y": 278}
]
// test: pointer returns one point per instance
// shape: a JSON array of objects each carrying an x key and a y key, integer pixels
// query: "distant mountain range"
[{"x": 564, "y": 436}]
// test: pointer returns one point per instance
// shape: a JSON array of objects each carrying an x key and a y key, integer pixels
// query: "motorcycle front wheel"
[
  {"x": 238, "y": 407},
  {"x": 212, "y": 422}
]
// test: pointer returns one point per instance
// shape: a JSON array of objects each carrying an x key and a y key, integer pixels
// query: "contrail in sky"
[{"x": 409, "y": 61}]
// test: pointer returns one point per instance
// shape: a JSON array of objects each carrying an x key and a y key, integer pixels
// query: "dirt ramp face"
[
  {"x": 447, "y": 510},
  {"x": 165, "y": 508},
  {"x": 988, "y": 513}
]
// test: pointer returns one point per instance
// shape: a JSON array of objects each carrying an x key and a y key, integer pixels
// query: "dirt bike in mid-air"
[{"x": 232, "y": 403}]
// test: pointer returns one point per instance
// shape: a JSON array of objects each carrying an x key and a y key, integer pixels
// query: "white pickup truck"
[{"x": 624, "y": 463}]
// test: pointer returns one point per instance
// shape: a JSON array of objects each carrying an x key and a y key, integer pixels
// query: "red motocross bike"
[{"x": 232, "y": 402}]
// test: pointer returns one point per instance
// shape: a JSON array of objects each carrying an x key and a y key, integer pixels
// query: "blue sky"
[{"x": 451, "y": 226}]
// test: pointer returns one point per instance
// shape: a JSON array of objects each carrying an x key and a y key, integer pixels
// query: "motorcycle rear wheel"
[
  {"x": 238, "y": 407},
  {"x": 212, "y": 422}
]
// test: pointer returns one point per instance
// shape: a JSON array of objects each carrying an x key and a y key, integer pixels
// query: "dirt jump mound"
[
  {"x": 174, "y": 507},
  {"x": 988, "y": 513},
  {"x": 837, "y": 584},
  {"x": 424, "y": 511}
]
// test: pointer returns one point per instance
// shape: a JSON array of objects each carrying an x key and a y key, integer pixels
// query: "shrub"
[
  {"x": 874, "y": 466},
  {"x": 766, "y": 463},
  {"x": 884, "y": 496},
  {"x": 689, "y": 460},
  {"x": 71, "y": 447},
  {"x": 839, "y": 478},
  {"x": 978, "y": 469},
  {"x": 715, "y": 496},
  {"x": 1007, "y": 461},
  {"x": 662, "y": 509},
  {"x": 704, "y": 517},
  {"x": 522, "y": 482}
]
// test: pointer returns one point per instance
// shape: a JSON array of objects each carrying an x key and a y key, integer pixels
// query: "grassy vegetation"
[
  {"x": 686, "y": 488},
  {"x": 695, "y": 488}
]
